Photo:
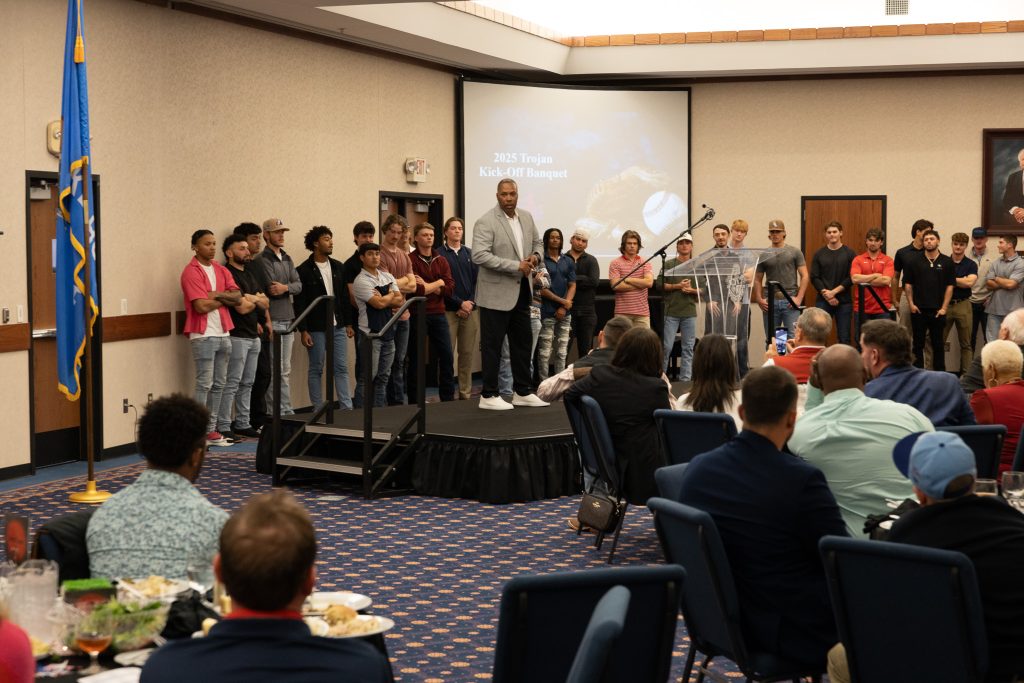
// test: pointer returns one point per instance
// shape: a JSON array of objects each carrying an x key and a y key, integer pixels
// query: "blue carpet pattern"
[{"x": 436, "y": 566}]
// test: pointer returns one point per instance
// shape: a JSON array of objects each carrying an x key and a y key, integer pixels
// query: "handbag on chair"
[{"x": 599, "y": 512}]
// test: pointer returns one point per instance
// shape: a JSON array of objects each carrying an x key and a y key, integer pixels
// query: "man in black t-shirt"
[
  {"x": 362, "y": 233},
  {"x": 928, "y": 281},
  {"x": 899, "y": 264},
  {"x": 245, "y": 339},
  {"x": 830, "y": 275}
]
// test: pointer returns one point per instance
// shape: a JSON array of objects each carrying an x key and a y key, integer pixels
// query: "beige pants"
[
  {"x": 838, "y": 669},
  {"x": 961, "y": 315},
  {"x": 639, "y": 320},
  {"x": 464, "y": 333}
]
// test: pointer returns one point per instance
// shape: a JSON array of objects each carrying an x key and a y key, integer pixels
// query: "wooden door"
[
  {"x": 857, "y": 214},
  {"x": 56, "y": 421}
]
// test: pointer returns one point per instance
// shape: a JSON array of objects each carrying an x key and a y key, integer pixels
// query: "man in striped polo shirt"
[{"x": 631, "y": 292}]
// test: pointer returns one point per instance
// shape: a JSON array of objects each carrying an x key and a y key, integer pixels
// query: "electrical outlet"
[
  {"x": 124, "y": 406},
  {"x": 124, "y": 306},
  {"x": 21, "y": 313},
  {"x": 149, "y": 399}
]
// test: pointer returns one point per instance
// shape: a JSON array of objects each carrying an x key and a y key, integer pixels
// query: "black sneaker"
[
  {"x": 231, "y": 436},
  {"x": 250, "y": 432}
]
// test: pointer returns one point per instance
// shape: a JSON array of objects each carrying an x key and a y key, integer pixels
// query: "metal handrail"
[
  {"x": 394, "y": 318},
  {"x": 309, "y": 308}
]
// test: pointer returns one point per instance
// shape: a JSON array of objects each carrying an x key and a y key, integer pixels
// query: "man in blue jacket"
[
  {"x": 886, "y": 352},
  {"x": 771, "y": 508}
]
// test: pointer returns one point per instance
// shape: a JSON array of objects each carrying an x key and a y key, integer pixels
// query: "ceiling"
[{"x": 435, "y": 33}]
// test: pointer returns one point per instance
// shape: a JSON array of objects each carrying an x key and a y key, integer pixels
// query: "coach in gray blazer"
[{"x": 506, "y": 245}]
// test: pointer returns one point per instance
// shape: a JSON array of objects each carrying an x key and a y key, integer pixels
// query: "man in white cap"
[
  {"x": 984, "y": 528},
  {"x": 680, "y": 301}
]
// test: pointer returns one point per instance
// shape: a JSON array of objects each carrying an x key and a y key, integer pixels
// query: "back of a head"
[
  {"x": 639, "y": 350},
  {"x": 890, "y": 338},
  {"x": 266, "y": 551},
  {"x": 815, "y": 326},
  {"x": 840, "y": 367},
  {"x": 1003, "y": 356},
  {"x": 170, "y": 430},
  {"x": 1013, "y": 323},
  {"x": 614, "y": 329},
  {"x": 769, "y": 395},
  {"x": 714, "y": 375}
]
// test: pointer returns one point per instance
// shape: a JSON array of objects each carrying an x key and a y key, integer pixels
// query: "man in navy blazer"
[
  {"x": 267, "y": 550},
  {"x": 506, "y": 246},
  {"x": 771, "y": 508}
]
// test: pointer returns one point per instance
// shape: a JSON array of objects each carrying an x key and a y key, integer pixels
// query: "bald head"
[{"x": 840, "y": 367}]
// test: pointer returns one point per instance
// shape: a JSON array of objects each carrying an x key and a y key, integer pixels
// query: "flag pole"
[{"x": 91, "y": 494}]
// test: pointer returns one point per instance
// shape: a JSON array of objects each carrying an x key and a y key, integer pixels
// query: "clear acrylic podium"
[{"x": 723, "y": 278}]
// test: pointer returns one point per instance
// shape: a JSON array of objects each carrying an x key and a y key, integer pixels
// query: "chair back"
[
  {"x": 579, "y": 430},
  {"x": 685, "y": 434},
  {"x": 921, "y": 599},
  {"x": 1018, "y": 456},
  {"x": 669, "y": 480},
  {"x": 710, "y": 603},
  {"x": 601, "y": 440},
  {"x": 543, "y": 620},
  {"x": 606, "y": 624},
  {"x": 987, "y": 443},
  {"x": 62, "y": 539}
]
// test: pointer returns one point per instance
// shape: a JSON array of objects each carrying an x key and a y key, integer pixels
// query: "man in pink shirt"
[
  {"x": 208, "y": 287},
  {"x": 394, "y": 259},
  {"x": 631, "y": 292}
]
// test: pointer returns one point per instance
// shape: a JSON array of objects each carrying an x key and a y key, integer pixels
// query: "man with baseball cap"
[
  {"x": 680, "y": 301},
  {"x": 991, "y": 533}
]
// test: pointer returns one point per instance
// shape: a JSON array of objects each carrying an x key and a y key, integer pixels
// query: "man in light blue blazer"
[{"x": 506, "y": 246}]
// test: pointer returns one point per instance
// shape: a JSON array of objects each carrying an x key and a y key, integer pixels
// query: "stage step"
[
  {"x": 313, "y": 462},
  {"x": 333, "y": 430}
]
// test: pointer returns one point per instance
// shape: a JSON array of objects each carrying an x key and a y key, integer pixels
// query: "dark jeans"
[
  {"x": 440, "y": 340},
  {"x": 584, "y": 320},
  {"x": 979, "y": 321},
  {"x": 841, "y": 313},
  {"x": 494, "y": 325},
  {"x": 396, "y": 382},
  {"x": 258, "y": 406},
  {"x": 927, "y": 323}
]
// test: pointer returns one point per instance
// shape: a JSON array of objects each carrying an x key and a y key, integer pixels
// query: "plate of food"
[
  {"x": 319, "y": 601},
  {"x": 153, "y": 588},
  {"x": 340, "y": 621}
]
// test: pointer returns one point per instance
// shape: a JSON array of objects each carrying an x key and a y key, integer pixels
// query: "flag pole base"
[{"x": 90, "y": 495}]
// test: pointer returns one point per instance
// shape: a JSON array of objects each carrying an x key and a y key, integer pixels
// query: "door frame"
[
  {"x": 839, "y": 197},
  {"x": 96, "y": 391},
  {"x": 436, "y": 199}
]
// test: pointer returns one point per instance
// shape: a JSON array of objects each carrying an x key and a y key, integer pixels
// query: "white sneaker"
[
  {"x": 530, "y": 401},
  {"x": 494, "y": 403}
]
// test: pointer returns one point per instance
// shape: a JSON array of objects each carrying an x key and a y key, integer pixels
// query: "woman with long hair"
[
  {"x": 629, "y": 391},
  {"x": 715, "y": 387}
]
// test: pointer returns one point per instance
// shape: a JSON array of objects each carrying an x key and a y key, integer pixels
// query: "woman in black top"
[{"x": 629, "y": 391}]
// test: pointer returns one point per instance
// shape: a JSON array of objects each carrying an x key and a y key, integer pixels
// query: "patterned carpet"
[{"x": 436, "y": 566}]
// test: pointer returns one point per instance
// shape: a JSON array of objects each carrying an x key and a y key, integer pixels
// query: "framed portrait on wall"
[{"x": 1003, "y": 163}]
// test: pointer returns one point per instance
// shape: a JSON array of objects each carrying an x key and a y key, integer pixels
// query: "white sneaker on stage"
[
  {"x": 495, "y": 403},
  {"x": 529, "y": 401}
]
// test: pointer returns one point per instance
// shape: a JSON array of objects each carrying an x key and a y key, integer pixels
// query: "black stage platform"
[{"x": 491, "y": 456}]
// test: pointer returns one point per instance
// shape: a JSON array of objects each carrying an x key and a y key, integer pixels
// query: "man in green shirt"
[
  {"x": 850, "y": 438},
  {"x": 680, "y": 300}
]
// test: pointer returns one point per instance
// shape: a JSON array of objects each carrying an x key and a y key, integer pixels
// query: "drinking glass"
[
  {"x": 1013, "y": 488},
  {"x": 986, "y": 487},
  {"x": 93, "y": 635}
]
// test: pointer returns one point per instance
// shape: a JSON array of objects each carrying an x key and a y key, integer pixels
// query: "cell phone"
[{"x": 781, "y": 337}]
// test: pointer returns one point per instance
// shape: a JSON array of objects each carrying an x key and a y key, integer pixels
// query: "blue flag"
[{"x": 74, "y": 232}]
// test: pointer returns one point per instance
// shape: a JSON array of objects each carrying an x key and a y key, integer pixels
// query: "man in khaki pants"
[
  {"x": 460, "y": 309},
  {"x": 959, "y": 311}
]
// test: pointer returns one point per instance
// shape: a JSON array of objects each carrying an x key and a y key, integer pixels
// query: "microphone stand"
[{"x": 708, "y": 215}]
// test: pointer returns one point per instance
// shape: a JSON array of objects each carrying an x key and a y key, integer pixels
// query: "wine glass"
[
  {"x": 1013, "y": 488},
  {"x": 93, "y": 634}
]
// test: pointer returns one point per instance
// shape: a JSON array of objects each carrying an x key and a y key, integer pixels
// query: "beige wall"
[
  {"x": 199, "y": 122},
  {"x": 758, "y": 147},
  {"x": 202, "y": 123}
]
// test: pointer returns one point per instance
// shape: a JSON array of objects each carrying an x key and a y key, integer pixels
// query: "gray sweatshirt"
[{"x": 280, "y": 270}]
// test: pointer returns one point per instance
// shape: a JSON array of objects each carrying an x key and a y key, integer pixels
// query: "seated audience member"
[
  {"x": 885, "y": 349},
  {"x": 555, "y": 386},
  {"x": 850, "y": 438},
  {"x": 812, "y": 330},
  {"x": 984, "y": 528},
  {"x": 715, "y": 388},
  {"x": 629, "y": 391},
  {"x": 17, "y": 665},
  {"x": 266, "y": 562},
  {"x": 771, "y": 508},
  {"x": 160, "y": 524},
  {"x": 1003, "y": 402},
  {"x": 1012, "y": 329}
]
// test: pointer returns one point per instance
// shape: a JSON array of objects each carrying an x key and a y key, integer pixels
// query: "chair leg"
[
  {"x": 703, "y": 667},
  {"x": 688, "y": 669},
  {"x": 618, "y": 530},
  {"x": 599, "y": 540}
]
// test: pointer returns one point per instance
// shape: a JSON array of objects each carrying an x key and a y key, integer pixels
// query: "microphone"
[{"x": 710, "y": 212}]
